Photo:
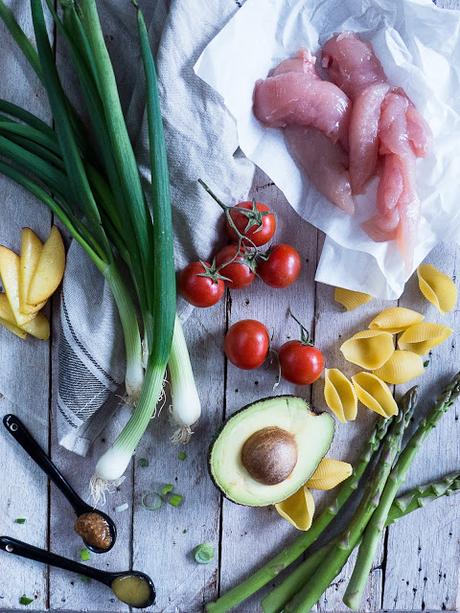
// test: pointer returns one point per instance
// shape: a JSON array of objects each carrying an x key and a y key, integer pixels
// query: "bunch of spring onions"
[{"x": 89, "y": 179}]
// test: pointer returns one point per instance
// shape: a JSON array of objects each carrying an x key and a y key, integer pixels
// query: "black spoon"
[
  {"x": 20, "y": 433},
  {"x": 24, "y": 550}
]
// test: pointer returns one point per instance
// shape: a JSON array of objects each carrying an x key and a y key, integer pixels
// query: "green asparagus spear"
[
  {"x": 403, "y": 505},
  {"x": 374, "y": 529},
  {"x": 304, "y": 600},
  {"x": 423, "y": 494},
  {"x": 290, "y": 553}
]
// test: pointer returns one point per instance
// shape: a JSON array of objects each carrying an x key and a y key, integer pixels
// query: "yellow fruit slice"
[
  {"x": 50, "y": 269},
  {"x": 12, "y": 328},
  {"x": 39, "y": 326},
  {"x": 31, "y": 248},
  {"x": 9, "y": 272}
]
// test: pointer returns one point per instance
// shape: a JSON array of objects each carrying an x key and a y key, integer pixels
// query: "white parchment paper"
[{"x": 419, "y": 47}]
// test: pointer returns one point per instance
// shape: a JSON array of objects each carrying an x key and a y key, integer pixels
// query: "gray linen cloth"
[{"x": 202, "y": 142}]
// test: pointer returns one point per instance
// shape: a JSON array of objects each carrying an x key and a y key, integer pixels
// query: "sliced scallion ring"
[
  {"x": 203, "y": 553},
  {"x": 151, "y": 501}
]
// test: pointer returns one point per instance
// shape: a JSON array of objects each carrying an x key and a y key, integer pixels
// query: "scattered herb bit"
[
  {"x": 175, "y": 500},
  {"x": 203, "y": 553},
  {"x": 181, "y": 456},
  {"x": 426, "y": 363},
  {"x": 166, "y": 489},
  {"x": 25, "y": 600},
  {"x": 20, "y": 520},
  {"x": 85, "y": 555},
  {"x": 85, "y": 579},
  {"x": 151, "y": 501},
  {"x": 184, "y": 531},
  {"x": 143, "y": 462},
  {"x": 122, "y": 507}
]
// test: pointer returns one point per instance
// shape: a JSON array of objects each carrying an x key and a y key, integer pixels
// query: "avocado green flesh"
[{"x": 313, "y": 434}]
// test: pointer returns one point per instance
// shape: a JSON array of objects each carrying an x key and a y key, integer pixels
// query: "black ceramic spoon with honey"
[
  {"x": 96, "y": 528},
  {"x": 131, "y": 587}
]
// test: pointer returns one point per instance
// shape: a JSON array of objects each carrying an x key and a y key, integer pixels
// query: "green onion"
[
  {"x": 20, "y": 520},
  {"x": 166, "y": 489},
  {"x": 181, "y": 456},
  {"x": 25, "y": 600},
  {"x": 203, "y": 553},
  {"x": 85, "y": 554},
  {"x": 186, "y": 405},
  {"x": 175, "y": 500},
  {"x": 143, "y": 462},
  {"x": 94, "y": 188},
  {"x": 151, "y": 501}
]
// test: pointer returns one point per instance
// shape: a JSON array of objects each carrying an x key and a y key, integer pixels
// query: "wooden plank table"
[{"x": 418, "y": 563}]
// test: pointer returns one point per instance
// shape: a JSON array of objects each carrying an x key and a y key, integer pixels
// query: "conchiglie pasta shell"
[
  {"x": 437, "y": 287},
  {"x": 329, "y": 474},
  {"x": 369, "y": 349},
  {"x": 395, "y": 319},
  {"x": 350, "y": 299},
  {"x": 374, "y": 394},
  {"x": 421, "y": 338},
  {"x": 403, "y": 366},
  {"x": 298, "y": 509},
  {"x": 340, "y": 395}
]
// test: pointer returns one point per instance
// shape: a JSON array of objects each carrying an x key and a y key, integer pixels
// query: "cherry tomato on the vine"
[
  {"x": 257, "y": 222},
  {"x": 201, "y": 285},
  {"x": 280, "y": 266},
  {"x": 247, "y": 344},
  {"x": 300, "y": 363},
  {"x": 239, "y": 271}
]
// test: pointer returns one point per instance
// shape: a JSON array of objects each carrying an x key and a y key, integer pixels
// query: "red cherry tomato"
[
  {"x": 281, "y": 266},
  {"x": 201, "y": 291},
  {"x": 247, "y": 343},
  {"x": 300, "y": 363},
  {"x": 258, "y": 224},
  {"x": 239, "y": 271}
]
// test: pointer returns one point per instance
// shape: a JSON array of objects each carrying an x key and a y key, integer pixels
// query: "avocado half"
[{"x": 266, "y": 451}]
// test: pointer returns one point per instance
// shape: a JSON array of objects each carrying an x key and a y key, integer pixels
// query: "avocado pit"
[{"x": 270, "y": 455}]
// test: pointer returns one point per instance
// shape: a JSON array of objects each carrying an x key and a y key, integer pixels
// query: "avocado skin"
[{"x": 246, "y": 406}]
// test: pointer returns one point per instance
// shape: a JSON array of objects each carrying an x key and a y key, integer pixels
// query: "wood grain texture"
[{"x": 417, "y": 564}]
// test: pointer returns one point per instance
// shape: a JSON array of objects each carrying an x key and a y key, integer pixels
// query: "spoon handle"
[
  {"x": 20, "y": 433},
  {"x": 24, "y": 550}
]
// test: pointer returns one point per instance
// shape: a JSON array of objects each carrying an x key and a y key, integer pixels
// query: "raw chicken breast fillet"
[
  {"x": 363, "y": 134},
  {"x": 351, "y": 63},
  {"x": 324, "y": 162},
  {"x": 300, "y": 97}
]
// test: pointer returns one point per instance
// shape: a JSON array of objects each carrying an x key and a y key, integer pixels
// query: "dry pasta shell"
[
  {"x": 395, "y": 319},
  {"x": 329, "y": 474},
  {"x": 437, "y": 287},
  {"x": 403, "y": 366},
  {"x": 298, "y": 509},
  {"x": 369, "y": 349},
  {"x": 421, "y": 338},
  {"x": 350, "y": 299},
  {"x": 340, "y": 395},
  {"x": 374, "y": 394}
]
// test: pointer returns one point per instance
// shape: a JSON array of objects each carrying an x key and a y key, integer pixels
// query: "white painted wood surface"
[{"x": 418, "y": 563}]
